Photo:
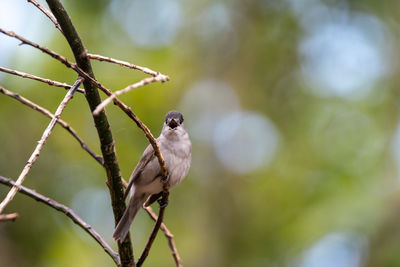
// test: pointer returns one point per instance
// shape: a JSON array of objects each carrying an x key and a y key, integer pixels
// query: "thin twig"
[
  {"x": 168, "y": 235},
  {"x": 8, "y": 217},
  {"x": 127, "y": 64},
  {"x": 45, "y": 50},
  {"x": 153, "y": 234},
  {"x": 36, "y": 78},
  {"x": 67, "y": 211},
  {"x": 56, "y": 56},
  {"x": 40, "y": 145},
  {"x": 159, "y": 78},
  {"x": 47, "y": 113},
  {"x": 108, "y": 92},
  {"x": 47, "y": 13}
]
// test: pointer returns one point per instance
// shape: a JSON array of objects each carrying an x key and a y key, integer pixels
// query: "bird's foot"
[
  {"x": 163, "y": 202},
  {"x": 165, "y": 180}
]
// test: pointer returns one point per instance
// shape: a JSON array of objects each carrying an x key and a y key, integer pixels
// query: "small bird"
[{"x": 145, "y": 182}]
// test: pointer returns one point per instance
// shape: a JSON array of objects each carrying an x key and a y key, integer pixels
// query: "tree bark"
[{"x": 101, "y": 122}]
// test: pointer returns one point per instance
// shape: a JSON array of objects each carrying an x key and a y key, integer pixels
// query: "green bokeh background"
[{"x": 333, "y": 174}]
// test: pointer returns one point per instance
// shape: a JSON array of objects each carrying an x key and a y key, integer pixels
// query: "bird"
[{"x": 145, "y": 183}]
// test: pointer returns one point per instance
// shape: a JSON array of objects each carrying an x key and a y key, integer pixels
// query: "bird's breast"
[{"x": 177, "y": 158}]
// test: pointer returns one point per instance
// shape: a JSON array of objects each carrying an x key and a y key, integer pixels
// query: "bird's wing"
[{"x": 148, "y": 155}]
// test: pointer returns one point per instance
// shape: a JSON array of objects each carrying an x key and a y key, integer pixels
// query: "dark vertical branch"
[{"x": 101, "y": 123}]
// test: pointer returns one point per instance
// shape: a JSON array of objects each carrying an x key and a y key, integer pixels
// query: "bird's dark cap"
[{"x": 173, "y": 114}]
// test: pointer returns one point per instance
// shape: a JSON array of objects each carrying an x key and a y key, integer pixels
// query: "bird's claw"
[
  {"x": 163, "y": 202},
  {"x": 165, "y": 180}
]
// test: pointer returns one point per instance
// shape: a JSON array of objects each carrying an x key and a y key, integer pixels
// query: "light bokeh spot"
[
  {"x": 343, "y": 53},
  {"x": 151, "y": 23},
  {"x": 24, "y": 19},
  {"x": 245, "y": 141},
  {"x": 204, "y": 104},
  {"x": 93, "y": 206},
  {"x": 334, "y": 250}
]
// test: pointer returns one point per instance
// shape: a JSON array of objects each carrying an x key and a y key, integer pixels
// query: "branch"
[
  {"x": 153, "y": 234},
  {"x": 146, "y": 131},
  {"x": 40, "y": 145},
  {"x": 94, "y": 95},
  {"x": 168, "y": 235},
  {"x": 158, "y": 78},
  {"x": 42, "y": 48},
  {"x": 36, "y": 78},
  {"x": 8, "y": 217},
  {"x": 101, "y": 122},
  {"x": 47, "y": 113},
  {"x": 58, "y": 57},
  {"x": 67, "y": 211},
  {"x": 166, "y": 231},
  {"x": 47, "y": 13},
  {"x": 127, "y": 64}
]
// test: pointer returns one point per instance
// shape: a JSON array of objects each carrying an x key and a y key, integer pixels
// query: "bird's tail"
[{"x": 122, "y": 229}]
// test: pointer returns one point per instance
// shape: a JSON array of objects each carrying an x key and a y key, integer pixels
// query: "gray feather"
[
  {"x": 147, "y": 156},
  {"x": 122, "y": 229}
]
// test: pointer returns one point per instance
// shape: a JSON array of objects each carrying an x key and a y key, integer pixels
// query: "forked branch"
[
  {"x": 102, "y": 125},
  {"x": 168, "y": 235},
  {"x": 40, "y": 145},
  {"x": 67, "y": 211},
  {"x": 47, "y": 113},
  {"x": 83, "y": 68},
  {"x": 153, "y": 234},
  {"x": 47, "y": 13},
  {"x": 108, "y": 92}
]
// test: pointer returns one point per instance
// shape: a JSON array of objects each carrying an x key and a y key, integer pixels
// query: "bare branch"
[
  {"x": 41, "y": 48},
  {"x": 144, "y": 128},
  {"x": 153, "y": 234},
  {"x": 129, "y": 65},
  {"x": 47, "y": 13},
  {"x": 40, "y": 145},
  {"x": 47, "y": 113},
  {"x": 108, "y": 92},
  {"x": 168, "y": 235},
  {"x": 8, "y": 217},
  {"x": 110, "y": 151},
  {"x": 36, "y": 78},
  {"x": 102, "y": 125},
  {"x": 166, "y": 231},
  {"x": 67, "y": 211},
  {"x": 159, "y": 78},
  {"x": 60, "y": 58}
]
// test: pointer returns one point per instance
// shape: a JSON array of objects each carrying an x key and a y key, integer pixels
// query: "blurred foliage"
[{"x": 328, "y": 196}]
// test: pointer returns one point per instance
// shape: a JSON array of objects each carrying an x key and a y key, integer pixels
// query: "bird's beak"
[{"x": 172, "y": 124}]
